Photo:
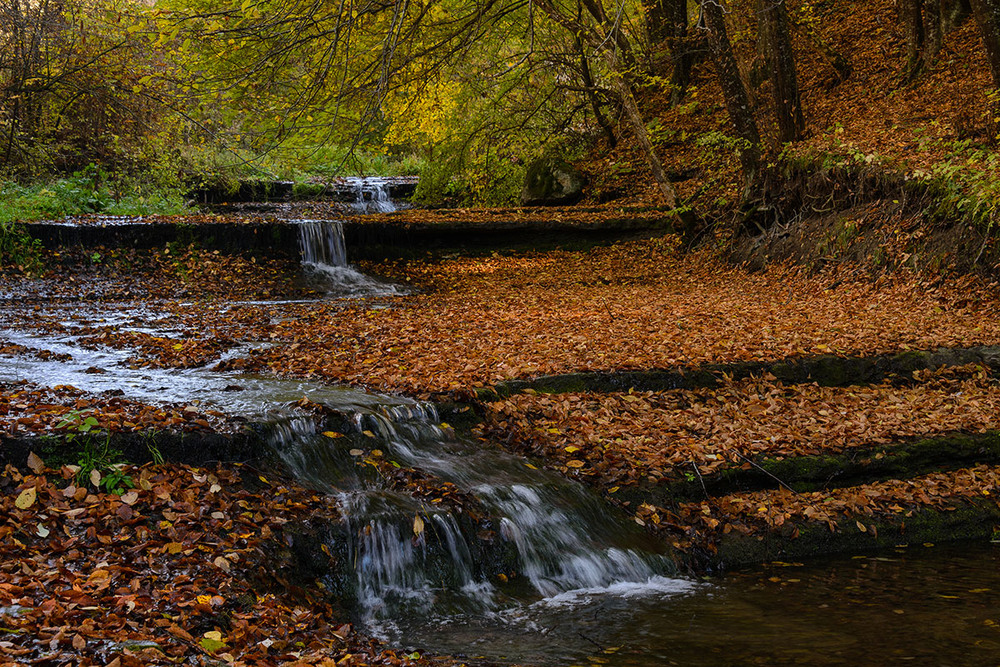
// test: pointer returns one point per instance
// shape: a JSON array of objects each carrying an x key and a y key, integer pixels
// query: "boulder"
[{"x": 552, "y": 182}]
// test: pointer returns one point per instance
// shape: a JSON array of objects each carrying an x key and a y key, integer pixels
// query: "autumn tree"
[
  {"x": 737, "y": 101},
  {"x": 72, "y": 84},
  {"x": 776, "y": 45},
  {"x": 987, "y": 14},
  {"x": 605, "y": 34}
]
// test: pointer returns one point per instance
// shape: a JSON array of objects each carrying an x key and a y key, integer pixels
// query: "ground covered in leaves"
[
  {"x": 188, "y": 566},
  {"x": 699, "y": 465}
]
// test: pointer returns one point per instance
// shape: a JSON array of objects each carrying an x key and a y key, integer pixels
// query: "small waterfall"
[
  {"x": 324, "y": 254},
  {"x": 322, "y": 243},
  {"x": 418, "y": 559},
  {"x": 372, "y": 195}
]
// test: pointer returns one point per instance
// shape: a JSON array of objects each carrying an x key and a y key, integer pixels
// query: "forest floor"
[{"x": 739, "y": 415}]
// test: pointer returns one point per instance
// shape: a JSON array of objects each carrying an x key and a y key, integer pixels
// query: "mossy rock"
[{"x": 552, "y": 182}]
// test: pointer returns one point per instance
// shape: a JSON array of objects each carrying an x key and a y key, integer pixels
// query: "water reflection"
[{"x": 925, "y": 606}]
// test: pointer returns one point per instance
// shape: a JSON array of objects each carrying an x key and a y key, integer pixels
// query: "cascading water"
[
  {"x": 324, "y": 254},
  {"x": 526, "y": 543},
  {"x": 372, "y": 195}
]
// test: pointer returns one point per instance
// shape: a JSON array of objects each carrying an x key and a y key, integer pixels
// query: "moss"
[
  {"x": 911, "y": 360},
  {"x": 963, "y": 521},
  {"x": 816, "y": 473}
]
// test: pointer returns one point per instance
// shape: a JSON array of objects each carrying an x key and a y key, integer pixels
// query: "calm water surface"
[{"x": 920, "y": 605}]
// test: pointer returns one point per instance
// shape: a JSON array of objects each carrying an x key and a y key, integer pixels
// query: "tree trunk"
[
  {"x": 634, "y": 117},
  {"x": 772, "y": 18},
  {"x": 911, "y": 18},
  {"x": 737, "y": 102},
  {"x": 592, "y": 96},
  {"x": 668, "y": 20},
  {"x": 933, "y": 31},
  {"x": 954, "y": 13},
  {"x": 987, "y": 14}
]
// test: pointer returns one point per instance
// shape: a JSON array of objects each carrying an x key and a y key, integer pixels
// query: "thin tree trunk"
[
  {"x": 911, "y": 17},
  {"x": 737, "y": 102},
  {"x": 668, "y": 21},
  {"x": 987, "y": 13},
  {"x": 954, "y": 13},
  {"x": 772, "y": 18},
  {"x": 592, "y": 97},
  {"x": 933, "y": 31},
  {"x": 634, "y": 117}
]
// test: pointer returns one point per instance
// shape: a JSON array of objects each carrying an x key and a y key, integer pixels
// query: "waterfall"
[
  {"x": 324, "y": 254},
  {"x": 419, "y": 558},
  {"x": 371, "y": 195},
  {"x": 322, "y": 243}
]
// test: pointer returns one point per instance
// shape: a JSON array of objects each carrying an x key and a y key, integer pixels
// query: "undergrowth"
[{"x": 91, "y": 190}]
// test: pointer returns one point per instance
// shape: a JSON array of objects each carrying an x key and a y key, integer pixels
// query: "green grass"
[
  {"x": 211, "y": 165},
  {"x": 90, "y": 191}
]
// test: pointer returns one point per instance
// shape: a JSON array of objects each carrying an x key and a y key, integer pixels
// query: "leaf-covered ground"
[
  {"x": 633, "y": 437},
  {"x": 188, "y": 567},
  {"x": 470, "y": 323}
]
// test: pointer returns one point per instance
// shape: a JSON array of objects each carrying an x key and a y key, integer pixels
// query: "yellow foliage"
[{"x": 424, "y": 112}]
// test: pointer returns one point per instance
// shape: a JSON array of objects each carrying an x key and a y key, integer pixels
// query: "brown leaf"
[{"x": 35, "y": 463}]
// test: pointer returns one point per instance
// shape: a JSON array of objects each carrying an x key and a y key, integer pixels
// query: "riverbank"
[{"x": 737, "y": 415}]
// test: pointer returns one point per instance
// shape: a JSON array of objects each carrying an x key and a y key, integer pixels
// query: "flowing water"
[
  {"x": 518, "y": 565},
  {"x": 372, "y": 195},
  {"x": 421, "y": 567},
  {"x": 324, "y": 256}
]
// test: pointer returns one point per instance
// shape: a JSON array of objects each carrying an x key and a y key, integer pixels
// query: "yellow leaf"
[
  {"x": 204, "y": 599},
  {"x": 418, "y": 525},
  {"x": 214, "y": 635},
  {"x": 571, "y": 449},
  {"x": 26, "y": 498},
  {"x": 333, "y": 434}
]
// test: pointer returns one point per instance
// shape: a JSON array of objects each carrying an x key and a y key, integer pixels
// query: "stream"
[{"x": 520, "y": 565}]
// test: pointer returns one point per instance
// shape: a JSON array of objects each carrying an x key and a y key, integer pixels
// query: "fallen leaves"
[
  {"x": 641, "y": 437},
  {"x": 80, "y": 584},
  {"x": 746, "y": 511},
  {"x": 63, "y": 409}
]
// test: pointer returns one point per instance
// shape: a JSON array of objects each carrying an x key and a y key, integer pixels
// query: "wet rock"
[{"x": 552, "y": 182}]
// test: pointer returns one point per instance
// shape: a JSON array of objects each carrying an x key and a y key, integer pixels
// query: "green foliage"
[
  {"x": 98, "y": 462},
  {"x": 965, "y": 186},
  {"x": 17, "y": 248},
  {"x": 91, "y": 190}
]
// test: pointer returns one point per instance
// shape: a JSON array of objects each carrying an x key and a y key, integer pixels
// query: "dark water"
[{"x": 919, "y": 605}]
